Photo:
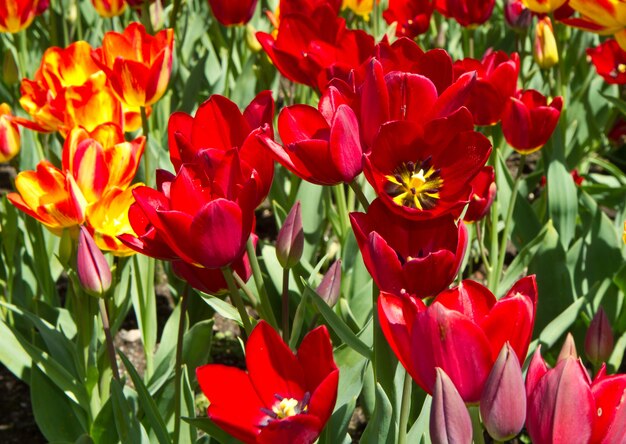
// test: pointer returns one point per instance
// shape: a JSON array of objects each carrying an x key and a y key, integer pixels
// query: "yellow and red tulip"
[
  {"x": 607, "y": 17},
  {"x": 545, "y": 49},
  {"x": 543, "y": 6},
  {"x": 9, "y": 135},
  {"x": 109, "y": 8},
  {"x": 360, "y": 7},
  {"x": 137, "y": 64},
  {"x": 16, "y": 15}
]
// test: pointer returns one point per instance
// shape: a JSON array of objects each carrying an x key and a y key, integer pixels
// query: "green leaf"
[
  {"x": 209, "y": 427},
  {"x": 147, "y": 403},
  {"x": 188, "y": 435},
  {"x": 224, "y": 309},
  {"x": 197, "y": 346},
  {"x": 144, "y": 304},
  {"x": 129, "y": 429},
  {"x": 420, "y": 429},
  {"x": 57, "y": 417},
  {"x": 12, "y": 355},
  {"x": 379, "y": 429},
  {"x": 337, "y": 325},
  {"x": 562, "y": 201},
  {"x": 101, "y": 430}
]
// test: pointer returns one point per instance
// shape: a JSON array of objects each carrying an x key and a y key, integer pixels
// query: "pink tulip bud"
[
  {"x": 450, "y": 422},
  {"x": 503, "y": 401},
  {"x": 290, "y": 241},
  {"x": 599, "y": 338},
  {"x": 568, "y": 350},
  {"x": 516, "y": 15},
  {"x": 330, "y": 287},
  {"x": 93, "y": 269}
]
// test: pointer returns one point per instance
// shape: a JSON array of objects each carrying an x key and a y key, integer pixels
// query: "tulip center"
[
  {"x": 415, "y": 185},
  {"x": 287, "y": 407}
]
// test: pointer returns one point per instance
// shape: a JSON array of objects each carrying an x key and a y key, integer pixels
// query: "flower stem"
[
  {"x": 179, "y": 362},
  {"x": 342, "y": 209},
  {"x": 405, "y": 408},
  {"x": 109, "y": 340},
  {"x": 260, "y": 284},
  {"x": 147, "y": 161},
  {"x": 477, "y": 427},
  {"x": 358, "y": 191},
  {"x": 497, "y": 270},
  {"x": 285, "y": 314},
  {"x": 236, "y": 297},
  {"x": 481, "y": 246},
  {"x": 242, "y": 285}
]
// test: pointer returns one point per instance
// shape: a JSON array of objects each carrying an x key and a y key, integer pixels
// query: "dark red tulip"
[
  {"x": 496, "y": 82},
  {"x": 528, "y": 121},
  {"x": 310, "y": 48},
  {"x": 321, "y": 149},
  {"x": 466, "y": 12},
  {"x": 400, "y": 252},
  {"x": 218, "y": 124},
  {"x": 287, "y": 7},
  {"x": 599, "y": 338},
  {"x": 412, "y": 17},
  {"x": 233, "y": 12},
  {"x": 517, "y": 15},
  {"x": 462, "y": 332},
  {"x": 610, "y": 61},
  {"x": 282, "y": 398},
  {"x": 483, "y": 194},
  {"x": 424, "y": 172}
]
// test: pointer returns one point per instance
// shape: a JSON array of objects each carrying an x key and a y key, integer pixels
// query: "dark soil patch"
[{"x": 17, "y": 424}]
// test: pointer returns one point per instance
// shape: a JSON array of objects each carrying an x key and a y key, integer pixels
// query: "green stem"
[
  {"x": 260, "y": 284},
  {"x": 22, "y": 53},
  {"x": 109, "y": 339},
  {"x": 232, "y": 40},
  {"x": 285, "y": 297},
  {"x": 237, "y": 301},
  {"x": 145, "y": 17},
  {"x": 342, "y": 209},
  {"x": 174, "y": 14},
  {"x": 358, "y": 191},
  {"x": 147, "y": 156},
  {"x": 179, "y": 362},
  {"x": 481, "y": 246},
  {"x": 477, "y": 427},
  {"x": 405, "y": 408},
  {"x": 507, "y": 224},
  {"x": 242, "y": 285}
]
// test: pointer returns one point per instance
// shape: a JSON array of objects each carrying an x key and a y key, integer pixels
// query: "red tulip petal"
[
  {"x": 299, "y": 123},
  {"x": 298, "y": 429},
  {"x": 471, "y": 299},
  {"x": 218, "y": 124},
  {"x": 316, "y": 356},
  {"x": 324, "y": 398},
  {"x": 180, "y": 123},
  {"x": 345, "y": 145},
  {"x": 374, "y": 102}
]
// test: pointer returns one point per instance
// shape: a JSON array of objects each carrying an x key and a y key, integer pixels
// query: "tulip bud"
[
  {"x": 516, "y": 15},
  {"x": 503, "y": 401},
  {"x": 9, "y": 68},
  {"x": 330, "y": 287},
  {"x": 93, "y": 269},
  {"x": 568, "y": 349},
  {"x": 450, "y": 422},
  {"x": 599, "y": 338},
  {"x": 545, "y": 50},
  {"x": 9, "y": 135},
  {"x": 290, "y": 241},
  {"x": 251, "y": 40},
  {"x": 66, "y": 246}
]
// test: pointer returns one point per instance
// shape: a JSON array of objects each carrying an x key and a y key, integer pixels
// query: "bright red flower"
[
  {"x": 565, "y": 406},
  {"x": 399, "y": 253},
  {"x": 204, "y": 215},
  {"x": 462, "y": 332},
  {"x": 312, "y": 48},
  {"x": 137, "y": 65},
  {"x": 218, "y": 124},
  {"x": 496, "y": 82},
  {"x": 233, "y": 12},
  {"x": 528, "y": 121},
  {"x": 610, "y": 61},
  {"x": 424, "y": 172},
  {"x": 412, "y": 17},
  {"x": 282, "y": 398},
  {"x": 466, "y": 12},
  {"x": 324, "y": 149},
  {"x": 483, "y": 193}
]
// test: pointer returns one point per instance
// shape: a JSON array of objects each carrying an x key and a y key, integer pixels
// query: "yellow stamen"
[{"x": 285, "y": 408}]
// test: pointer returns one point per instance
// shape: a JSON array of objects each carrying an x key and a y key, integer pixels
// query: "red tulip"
[
  {"x": 483, "y": 194},
  {"x": 412, "y": 17},
  {"x": 609, "y": 425},
  {"x": 599, "y": 338},
  {"x": 204, "y": 215},
  {"x": 287, "y": 7},
  {"x": 462, "y": 332},
  {"x": 424, "y": 172},
  {"x": 233, "y": 12},
  {"x": 218, "y": 124},
  {"x": 321, "y": 149},
  {"x": 400, "y": 252},
  {"x": 610, "y": 61},
  {"x": 528, "y": 121},
  {"x": 282, "y": 398},
  {"x": 466, "y": 12},
  {"x": 310, "y": 47},
  {"x": 496, "y": 82},
  {"x": 92, "y": 268}
]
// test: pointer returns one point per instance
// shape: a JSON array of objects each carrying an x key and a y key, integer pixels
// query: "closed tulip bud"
[
  {"x": 568, "y": 350},
  {"x": 330, "y": 287},
  {"x": 251, "y": 40},
  {"x": 450, "y": 422},
  {"x": 66, "y": 246},
  {"x": 290, "y": 241},
  {"x": 93, "y": 269},
  {"x": 517, "y": 15},
  {"x": 545, "y": 50},
  {"x": 9, "y": 69},
  {"x": 503, "y": 402},
  {"x": 599, "y": 338}
]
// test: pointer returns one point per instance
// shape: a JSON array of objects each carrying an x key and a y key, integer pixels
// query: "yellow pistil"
[
  {"x": 285, "y": 408},
  {"x": 621, "y": 68},
  {"x": 415, "y": 185}
]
